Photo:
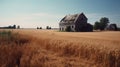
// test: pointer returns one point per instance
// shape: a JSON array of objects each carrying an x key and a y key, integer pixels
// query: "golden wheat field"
[{"x": 51, "y": 48}]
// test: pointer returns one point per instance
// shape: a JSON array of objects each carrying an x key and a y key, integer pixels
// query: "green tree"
[
  {"x": 103, "y": 23},
  {"x": 40, "y": 27},
  {"x": 14, "y": 26},
  {"x": 18, "y": 27},
  {"x": 97, "y": 25},
  {"x": 47, "y": 27},
  {"x": 37, "y": 27}
]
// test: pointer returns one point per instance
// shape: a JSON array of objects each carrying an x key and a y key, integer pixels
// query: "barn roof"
[{"x": 71, "y": 18}]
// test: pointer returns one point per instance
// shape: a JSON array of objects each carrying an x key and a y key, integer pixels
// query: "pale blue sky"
[{"x": 33, "y": 13}]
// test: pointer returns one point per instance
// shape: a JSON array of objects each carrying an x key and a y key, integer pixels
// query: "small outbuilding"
[{"x": 112, "y": 27}]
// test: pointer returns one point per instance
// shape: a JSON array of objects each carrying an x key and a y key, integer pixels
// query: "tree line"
[
  {"x": 103, "y": 25},
  {"x": 11, "y": 27},
  {"x": 47, "y": 27}
]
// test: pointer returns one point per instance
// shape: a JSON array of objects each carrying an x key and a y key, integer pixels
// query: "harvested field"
[{"x": 50, "y": 48}]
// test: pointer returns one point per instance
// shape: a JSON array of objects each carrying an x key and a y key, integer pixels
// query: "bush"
[
  {"x": 11, "y": 48},
  {"x": 97, "y": 25},
  {"x": 47, "y": 27},
  {"x": 7, "y": 37},
  {"x": 102, "y": 24}
]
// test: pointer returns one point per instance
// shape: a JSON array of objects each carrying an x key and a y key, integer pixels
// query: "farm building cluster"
[{"x": 78, "y": 23}]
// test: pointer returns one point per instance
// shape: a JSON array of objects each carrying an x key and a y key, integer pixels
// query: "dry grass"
[
  {"x": 43, "y": 48},
  {"x": 11, "y": 48}
]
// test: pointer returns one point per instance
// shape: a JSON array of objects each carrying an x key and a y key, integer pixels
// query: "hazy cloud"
[
  {"x": 35, "y": 19},
  {"x": 43, "y": 19}
]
